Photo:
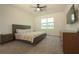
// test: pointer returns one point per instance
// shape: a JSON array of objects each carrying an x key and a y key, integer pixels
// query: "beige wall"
[
  {"x": 59, "y": 19},
  {"x": 11, "y": 15}
]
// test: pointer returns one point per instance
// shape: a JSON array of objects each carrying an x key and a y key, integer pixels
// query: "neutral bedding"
[{"x": 29, "y": 36}]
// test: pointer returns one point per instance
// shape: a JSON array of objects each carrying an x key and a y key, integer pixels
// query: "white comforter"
[{"x": 27, "y": 36}]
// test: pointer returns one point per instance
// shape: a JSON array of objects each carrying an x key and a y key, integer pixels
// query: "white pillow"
[
  {"x": 20, "y": 30},
  {"x": 28, "y": 30},
  {"x": 23, "y": 30}
]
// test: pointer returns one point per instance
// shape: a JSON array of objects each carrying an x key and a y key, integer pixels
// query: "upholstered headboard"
[{"x": 16, "y": 26}]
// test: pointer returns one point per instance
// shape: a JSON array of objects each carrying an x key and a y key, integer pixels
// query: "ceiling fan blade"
[{"x": 43, "y": 7}]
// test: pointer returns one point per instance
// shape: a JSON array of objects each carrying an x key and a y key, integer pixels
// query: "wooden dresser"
[{"x": 70, "y": 43}]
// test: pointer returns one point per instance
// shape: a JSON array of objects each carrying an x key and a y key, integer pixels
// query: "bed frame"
[{"x": 36, "y": 40}]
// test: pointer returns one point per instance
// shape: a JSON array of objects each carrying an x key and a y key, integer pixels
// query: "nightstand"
[{"x": 6, "y": 38}]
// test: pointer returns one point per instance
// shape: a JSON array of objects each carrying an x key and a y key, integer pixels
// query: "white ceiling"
[{"x": 51, "y": 8}]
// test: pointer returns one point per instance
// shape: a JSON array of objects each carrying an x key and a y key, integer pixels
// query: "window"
[
  {"x": 47, "y": 23},
  {"x": 73, "y": 17}
]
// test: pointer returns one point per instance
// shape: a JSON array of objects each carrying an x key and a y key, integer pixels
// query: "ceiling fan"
[{"x": 38, "y": 7}]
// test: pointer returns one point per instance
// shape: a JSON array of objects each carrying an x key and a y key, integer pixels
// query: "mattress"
[{"x": 28, "y": 36}]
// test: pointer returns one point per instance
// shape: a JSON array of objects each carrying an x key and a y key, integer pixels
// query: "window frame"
[{"x": 47, "y": 23}]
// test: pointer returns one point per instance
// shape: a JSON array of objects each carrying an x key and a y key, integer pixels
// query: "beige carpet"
[{"x": 49, "y": 45}]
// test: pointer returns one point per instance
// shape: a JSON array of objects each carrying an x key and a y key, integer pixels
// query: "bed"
[{"x": 31, "y": 37}]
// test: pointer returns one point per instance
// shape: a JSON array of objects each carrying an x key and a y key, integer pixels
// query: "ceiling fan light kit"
[{"x": 39, "y": 8}]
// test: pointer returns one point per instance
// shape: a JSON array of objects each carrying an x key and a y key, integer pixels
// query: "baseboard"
[{"x": 53, "y": 35}]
